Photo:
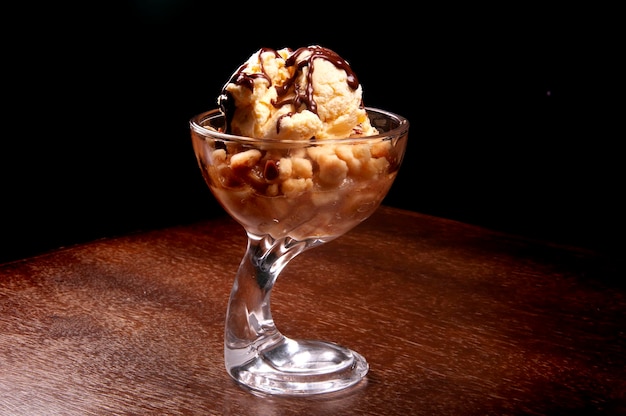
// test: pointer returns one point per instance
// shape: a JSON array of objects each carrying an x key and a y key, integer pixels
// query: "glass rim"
[{"x": 195, "y": 124}]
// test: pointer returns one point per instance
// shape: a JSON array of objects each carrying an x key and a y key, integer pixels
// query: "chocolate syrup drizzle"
[{"x": 226, "y": 101}]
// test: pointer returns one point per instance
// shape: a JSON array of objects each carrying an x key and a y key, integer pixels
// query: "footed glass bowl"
[{"x": 290, "y": 196}]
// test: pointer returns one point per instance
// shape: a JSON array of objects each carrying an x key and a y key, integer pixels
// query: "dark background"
[{"x": 516, "y": 114}]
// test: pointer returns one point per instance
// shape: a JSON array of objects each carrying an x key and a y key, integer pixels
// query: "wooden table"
[{"x": 453, "y": 319}]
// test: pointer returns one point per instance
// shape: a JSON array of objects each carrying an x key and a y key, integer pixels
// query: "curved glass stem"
[{"x": 256, "y": 354}]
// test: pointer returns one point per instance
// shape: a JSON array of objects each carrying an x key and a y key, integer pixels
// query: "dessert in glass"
[{"x": 294, "y": 177}]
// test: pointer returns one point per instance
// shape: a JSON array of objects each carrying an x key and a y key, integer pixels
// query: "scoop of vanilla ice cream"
[{"x": 295, "y": 95}]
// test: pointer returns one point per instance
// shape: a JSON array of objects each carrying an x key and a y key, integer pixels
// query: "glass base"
[{"x": 299, "y": 368}]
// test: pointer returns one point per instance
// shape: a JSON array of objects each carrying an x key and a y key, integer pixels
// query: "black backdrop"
[{"x": 515, "y": 114}]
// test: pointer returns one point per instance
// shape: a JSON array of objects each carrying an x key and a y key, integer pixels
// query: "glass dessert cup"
[{"x": 291, "y": 196}]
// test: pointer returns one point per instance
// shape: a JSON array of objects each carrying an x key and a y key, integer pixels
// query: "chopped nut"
[
  {"x": 332, "y": 170},
  {"x": 302, "y": 168},
  {"x": 245, "y": 159},
  {"x": 284, "y": 168},
  {"x": 381, "y": 149},
  {"x": 294, "y": 186}
]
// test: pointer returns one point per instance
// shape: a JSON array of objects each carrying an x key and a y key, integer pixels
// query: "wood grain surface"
[{"x": 453, "y": 319}]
